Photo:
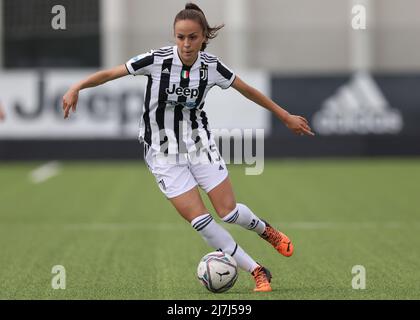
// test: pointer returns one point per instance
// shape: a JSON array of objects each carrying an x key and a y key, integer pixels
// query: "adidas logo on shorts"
[{"x": 162, "y": 183}]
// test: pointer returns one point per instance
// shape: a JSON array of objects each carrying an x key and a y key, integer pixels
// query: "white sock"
[
  {"x": 243, "y": 216},
  {"x": 218, "y": 238}
]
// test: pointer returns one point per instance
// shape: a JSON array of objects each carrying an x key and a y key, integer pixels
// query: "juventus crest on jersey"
[{"x": 173, "y": 120}]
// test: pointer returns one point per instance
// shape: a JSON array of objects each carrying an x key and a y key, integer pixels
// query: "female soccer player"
[{"x": 180, "y": 149}]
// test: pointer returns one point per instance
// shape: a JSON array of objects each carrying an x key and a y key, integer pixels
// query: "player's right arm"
[
  {"x": 2, "y": 116},
  {"x": 71, "y": 96}
]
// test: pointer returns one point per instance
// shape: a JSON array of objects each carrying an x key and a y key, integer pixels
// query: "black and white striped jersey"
[{"x": 173, "y": 120}]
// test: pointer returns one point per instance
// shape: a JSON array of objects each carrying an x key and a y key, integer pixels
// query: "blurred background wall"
[
  {"x": 304, "y": 54},
  {"x": 276, "y": 35},
  {"x": 279, "y": 35}
]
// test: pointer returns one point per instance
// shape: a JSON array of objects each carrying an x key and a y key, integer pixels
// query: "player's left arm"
[{"x": 297, "y": 124}]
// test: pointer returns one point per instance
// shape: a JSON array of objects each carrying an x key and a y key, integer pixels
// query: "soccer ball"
[{"x": 217, "y": 271}]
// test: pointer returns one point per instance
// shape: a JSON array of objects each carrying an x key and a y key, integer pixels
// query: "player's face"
[{"x": 189, "y": 38}]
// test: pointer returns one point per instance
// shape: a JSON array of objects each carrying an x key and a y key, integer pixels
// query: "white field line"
[
  {"x": 44, "y": 172},
  {"x": 288, "y": 225},
  {"x": 344, "y": 225},
  {"x": 95, "y": 226}
]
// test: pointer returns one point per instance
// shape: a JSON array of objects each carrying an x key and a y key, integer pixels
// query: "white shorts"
[{"x": 178, "y": 173}]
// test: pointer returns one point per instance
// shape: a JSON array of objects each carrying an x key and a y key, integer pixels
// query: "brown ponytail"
[{"x": 193, "y": 12}]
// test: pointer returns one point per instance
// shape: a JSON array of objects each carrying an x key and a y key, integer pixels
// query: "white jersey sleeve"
[
  {"x": 141, "y": 64},
  {"x": 224, "y": 75}
]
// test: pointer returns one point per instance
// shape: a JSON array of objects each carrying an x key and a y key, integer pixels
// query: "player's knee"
[{"x": 227, "y": 209}]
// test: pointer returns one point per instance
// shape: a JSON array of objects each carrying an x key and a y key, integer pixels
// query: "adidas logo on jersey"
[
  {"x": 166, "y": 71},
  {"x": 186, "y": 92}
]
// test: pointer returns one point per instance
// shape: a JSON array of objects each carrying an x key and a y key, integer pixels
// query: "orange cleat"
[
  {"x": 278, "y": 240},
  {"x": 262, "y": 277}
]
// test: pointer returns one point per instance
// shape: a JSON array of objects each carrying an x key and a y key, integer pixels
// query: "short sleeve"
[
  {"x": 141, "y": 64},
  {"x": 224, "y": 75}
]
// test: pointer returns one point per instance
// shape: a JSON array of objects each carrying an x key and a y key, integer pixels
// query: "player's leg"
[
  {"x": 191, "y": 207},
  {"x": 180, "y": 187},
  {"x": 223, "y": 200},
  {"x": 189, "y": 204},
  {"x": 213, "y": 177},
  {"x": 209, "y": 175}
]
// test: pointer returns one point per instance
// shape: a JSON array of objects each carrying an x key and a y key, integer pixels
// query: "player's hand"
[
  {"x": 2, "y": 116},
  {"x": 299, "y": 125},
  {"x": 70, "y": 101}
]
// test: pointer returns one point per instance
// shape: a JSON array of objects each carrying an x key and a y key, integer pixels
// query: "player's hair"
[{"x": 193, "y": 12}]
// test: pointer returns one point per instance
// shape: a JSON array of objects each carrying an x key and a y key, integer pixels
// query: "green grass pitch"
[{"x": 118, "y": 237}]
